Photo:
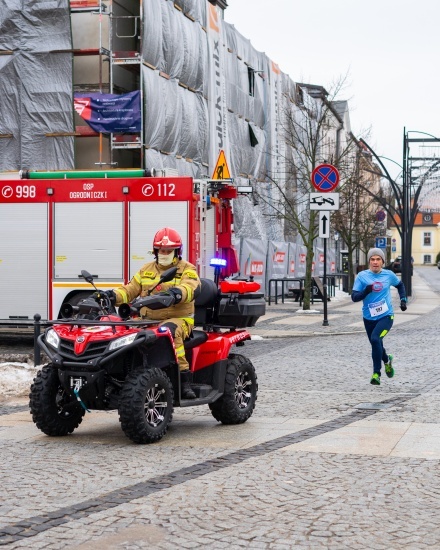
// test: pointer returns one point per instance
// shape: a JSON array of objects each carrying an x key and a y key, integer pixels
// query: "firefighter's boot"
[{"x": 187, "y": 391}]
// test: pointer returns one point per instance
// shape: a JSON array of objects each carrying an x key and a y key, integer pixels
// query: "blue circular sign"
[{"x": 325, "y": 178}]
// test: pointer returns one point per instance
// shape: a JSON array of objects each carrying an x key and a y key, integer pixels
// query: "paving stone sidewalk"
[{"x": 326, "y": 461}]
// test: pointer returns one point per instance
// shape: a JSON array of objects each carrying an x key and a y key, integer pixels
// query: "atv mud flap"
[{"x": 89, "y": 386}]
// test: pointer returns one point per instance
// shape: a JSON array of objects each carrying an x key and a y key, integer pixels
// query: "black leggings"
[{"x": 376, "y": 331}]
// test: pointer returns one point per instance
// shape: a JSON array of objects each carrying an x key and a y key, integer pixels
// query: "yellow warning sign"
[{"x": 221, "y": 170}]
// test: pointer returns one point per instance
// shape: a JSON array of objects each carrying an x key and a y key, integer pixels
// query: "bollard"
[{"x": 37, "y": 356}]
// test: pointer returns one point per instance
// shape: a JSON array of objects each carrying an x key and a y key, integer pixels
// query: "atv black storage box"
[{"x": 241, "y": 310}]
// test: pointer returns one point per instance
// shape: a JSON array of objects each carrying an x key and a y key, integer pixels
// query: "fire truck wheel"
[
  {"x": 238, "y": 400},
  {"x": 146, "y": 406},
  {"x": 53, "y": 410}
]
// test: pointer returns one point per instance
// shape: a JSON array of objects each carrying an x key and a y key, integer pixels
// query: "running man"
[{"x": 373, "y": 286}]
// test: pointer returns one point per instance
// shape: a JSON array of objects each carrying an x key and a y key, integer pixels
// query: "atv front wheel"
[
  {"x": 53, "y": 409},
  {"x": 238, "y": 400},
  {"x": 146, "y": 406}
]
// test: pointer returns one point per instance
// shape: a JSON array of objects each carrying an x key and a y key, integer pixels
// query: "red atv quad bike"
[{"x": 99, "y": 360}]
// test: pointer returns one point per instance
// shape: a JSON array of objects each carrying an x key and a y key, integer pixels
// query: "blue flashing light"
[
  {"x": 162, "y": 329},
  {"x": 218, "y": 262}
]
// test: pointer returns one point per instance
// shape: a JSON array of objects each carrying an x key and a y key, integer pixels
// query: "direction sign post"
[
  {"x": 324, "y": 224},
  {"x": 324, "y": 284},
  {"x": 325, "y": 179}
]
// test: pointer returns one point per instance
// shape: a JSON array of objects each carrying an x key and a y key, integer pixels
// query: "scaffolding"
[{"x": 115, "y": 32}]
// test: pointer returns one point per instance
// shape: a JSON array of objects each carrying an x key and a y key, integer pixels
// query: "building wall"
[{"x": 425, "y": 239}]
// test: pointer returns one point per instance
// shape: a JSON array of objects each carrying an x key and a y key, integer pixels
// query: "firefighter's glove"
[
  {"x": 403, "y": 305},
  {"x": 98, "y": 296},
  {"x": 175, "y": 292},
  {"x": 112, "y": 296}
]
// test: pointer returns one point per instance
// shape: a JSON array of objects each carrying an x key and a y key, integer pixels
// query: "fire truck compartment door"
[
  {"x": 210, "y": 244},
  {"x": 146, "y": 218},
  {"x": 23, "y": 260},
  {"x": 88, "y": 236}
]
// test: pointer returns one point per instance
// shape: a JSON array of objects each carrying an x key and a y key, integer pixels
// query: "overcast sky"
[{"x": 389, "y": 48}]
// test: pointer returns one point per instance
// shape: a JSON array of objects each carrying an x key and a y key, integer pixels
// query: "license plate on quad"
[{"x": 77, "y": 382}]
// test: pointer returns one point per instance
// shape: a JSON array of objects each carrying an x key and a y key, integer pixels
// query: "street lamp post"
[
  {"x": 411, "y": 207},
  {"x": 406, "y": 243},
  {"x": 406, "y": 208}
]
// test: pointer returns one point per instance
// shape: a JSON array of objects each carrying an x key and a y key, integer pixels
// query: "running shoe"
[
  {"x": 389, "y": 371},
  {"x": 375, "y": 379}
]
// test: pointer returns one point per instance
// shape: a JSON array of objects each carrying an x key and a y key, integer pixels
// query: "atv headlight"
[
  {"x": 121, "y": 342},
  {"x": 52, "y": 338}
]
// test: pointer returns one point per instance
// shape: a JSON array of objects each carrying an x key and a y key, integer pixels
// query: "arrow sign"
[{"x": 324, "y": 224}]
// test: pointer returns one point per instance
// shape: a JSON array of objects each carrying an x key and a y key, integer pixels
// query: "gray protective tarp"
[
  {"x": 176, "y": 120},
  {"x": 175, "y": 44},
  {"x": 253, "y": 260},
  {"x": 207, "y": 89},
  {"x": 197, "y": 90},
  {"x": 35, "y": 85}
]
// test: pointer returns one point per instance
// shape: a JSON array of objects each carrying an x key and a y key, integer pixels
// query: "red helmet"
[{"x": 167, "y": 238}]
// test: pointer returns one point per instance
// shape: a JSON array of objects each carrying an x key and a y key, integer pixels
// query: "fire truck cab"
[{"x": 53, "y": 225}]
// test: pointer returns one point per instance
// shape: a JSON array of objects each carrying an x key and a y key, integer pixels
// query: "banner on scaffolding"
[{"x": 110, "y": 113}]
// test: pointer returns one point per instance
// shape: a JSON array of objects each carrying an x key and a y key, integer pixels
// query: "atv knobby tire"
[
  {"x": 146, "y": 405},
  {"x": 238, "y": 400},
  {"x": 54, "y": 411}
]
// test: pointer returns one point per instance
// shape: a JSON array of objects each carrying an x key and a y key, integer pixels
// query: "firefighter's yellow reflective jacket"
[{"x": 186, "y": 280}]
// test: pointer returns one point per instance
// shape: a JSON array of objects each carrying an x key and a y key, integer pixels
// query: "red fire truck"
[{"x": 54, "y": 224}]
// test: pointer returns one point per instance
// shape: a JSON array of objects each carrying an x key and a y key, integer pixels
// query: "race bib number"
[{"x": 378, "y": 308}]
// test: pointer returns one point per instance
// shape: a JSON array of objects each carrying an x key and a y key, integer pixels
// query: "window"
[
  {"x": 427, "y": 238},
  {"x": 427, "y": 259},
  {"x": 252, "y": 136},
  {"x": 299, "y": 96},
  {"x": 251, "y": 77}
]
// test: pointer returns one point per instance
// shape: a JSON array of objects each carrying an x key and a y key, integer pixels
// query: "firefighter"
[{"x": 179, "y": 318}]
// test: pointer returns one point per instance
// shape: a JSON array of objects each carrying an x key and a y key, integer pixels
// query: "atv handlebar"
[
  {"x": 154, "y": 301},
  {"x": 99, "y": 304}
]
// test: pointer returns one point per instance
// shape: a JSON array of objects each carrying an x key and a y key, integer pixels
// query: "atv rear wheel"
[
  {"x": 238, "y": 400},
  {"x": 53, "y": 409},
  {"x": 146, "y": 405}
]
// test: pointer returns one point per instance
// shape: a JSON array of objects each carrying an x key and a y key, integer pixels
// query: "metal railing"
[
  {"x": 282, "y": 282},
  {"x": 34, "y": 326},
  {"x": 277, "y": 287}
]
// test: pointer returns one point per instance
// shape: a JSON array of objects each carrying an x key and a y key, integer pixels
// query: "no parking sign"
[{"x": 325, "y": 178}]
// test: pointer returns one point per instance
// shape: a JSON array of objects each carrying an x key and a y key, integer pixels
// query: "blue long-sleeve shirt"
[{"x": 377, "y": 303}]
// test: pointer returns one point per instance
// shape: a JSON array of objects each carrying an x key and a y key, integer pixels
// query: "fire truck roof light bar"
[
  {"x": 74, "y": 174},
  {"x": 218, "y": 262}
]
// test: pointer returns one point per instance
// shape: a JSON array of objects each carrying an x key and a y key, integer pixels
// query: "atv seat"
[
  {"x": 204, "y": 302},
  {"x": 197, "y": 338}
]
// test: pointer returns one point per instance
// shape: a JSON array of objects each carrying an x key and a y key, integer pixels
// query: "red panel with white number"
[{"x": 87, "y": 190}]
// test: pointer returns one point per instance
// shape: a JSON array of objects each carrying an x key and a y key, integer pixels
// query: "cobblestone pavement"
[{"x": 326, "y": 461}]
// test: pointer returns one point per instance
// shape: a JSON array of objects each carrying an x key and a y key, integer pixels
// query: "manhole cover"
[{"x": 374, "y": 406}]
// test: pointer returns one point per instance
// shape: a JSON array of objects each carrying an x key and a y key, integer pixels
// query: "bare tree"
[
  {"x": 313, "y": 130},
  {"x": 356, "y": 218}
]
